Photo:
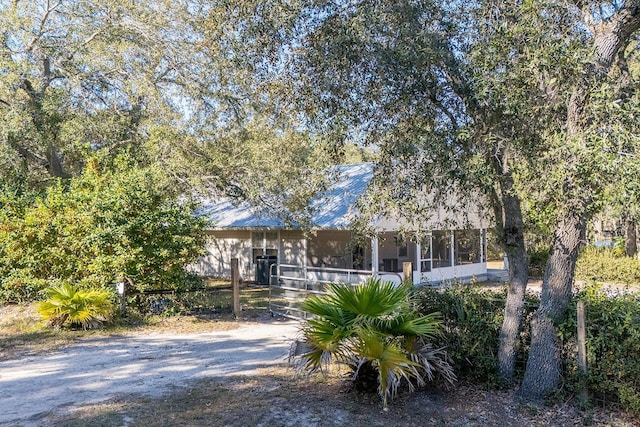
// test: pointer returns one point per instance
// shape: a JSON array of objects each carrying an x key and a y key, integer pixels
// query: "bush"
[
  {"x": 473, "y": 318},
  {"x": 375, "y": 330},
  {"x": 472, "y": 321},
  {"x": 538, "y": 257},
  {"x": 110, "y": 224},
  {"x": 612, "y": 342},
  {"x": 68, "y": 304},
  {"x": 603, "y": 265}
]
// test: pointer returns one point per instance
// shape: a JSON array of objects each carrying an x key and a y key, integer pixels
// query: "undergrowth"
[{"x": 473, "y": 317}]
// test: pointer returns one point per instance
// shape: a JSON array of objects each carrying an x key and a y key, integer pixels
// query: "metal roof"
[{"x": 333, "y": 209}]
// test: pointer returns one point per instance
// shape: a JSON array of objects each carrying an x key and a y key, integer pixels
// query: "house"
[{"x": 264, "y": 246}]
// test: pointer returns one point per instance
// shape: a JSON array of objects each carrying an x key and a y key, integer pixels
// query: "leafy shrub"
[
  {"x": 111, "y": 223},
  {"x": 612, "y": 342},
  {"x": 19, "y": 287},
  {"x": 602, "y": 264},
  {"x": 375, "y": 330},
  {"x": 538, "y": 257},
  {"x": 472, "y": 320},
  {"x": 68, "y": 304},
  {"x": 183, "y": 302}
]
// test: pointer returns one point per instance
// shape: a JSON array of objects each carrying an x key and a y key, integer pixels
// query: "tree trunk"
[
  {"x": 544, "y": 365},
  {"x": 513, "y": 235},
  {"x": 54, "y": 166},
  {"x": 542, "y": 375},
  {"x": 630, "y": 246}
]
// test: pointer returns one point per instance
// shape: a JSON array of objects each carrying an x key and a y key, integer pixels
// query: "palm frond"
[
  {"x": 375, "y": 330},
  {"x": 433, "y": 362},
  {"x": 392, "y": 363},
  {"x": 427, "y": 327},
  {"x": 67, "y": 303}
]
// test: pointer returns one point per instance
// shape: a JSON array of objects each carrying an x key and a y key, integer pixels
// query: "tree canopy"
[
  {"x": 181, "y": 84},
  {"x": 529, "y": 102},
  {"x": 529, "y": 106}
]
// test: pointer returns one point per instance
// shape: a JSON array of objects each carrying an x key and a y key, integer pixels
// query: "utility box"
[{"x": 263, "y": 268}]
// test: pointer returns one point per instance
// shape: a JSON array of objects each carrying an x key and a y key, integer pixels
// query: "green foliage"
[
  {"x": 604, "y": 265},
  {"x": 538, "y": 257},
  {"x": 612, "y": 342},
  {"x": 472, "y": 321},
  {"x": 374, "y": 329},
  {"x": 110, "y": 224},
  {"x": 68, "y": 304},
  {"x": 619, "y": 247}
]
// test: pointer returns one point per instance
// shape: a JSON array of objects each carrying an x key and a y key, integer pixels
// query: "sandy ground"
[{"x": 97, "y": 369}]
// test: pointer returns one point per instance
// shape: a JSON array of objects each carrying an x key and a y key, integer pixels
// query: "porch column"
[
  {"x": 305, "y": 260},
  {"x": 374, "y": 254},
  {"x": 485, "y": 245},
  {"x": 481, "y": 245},
  {"x": 431, "y": 252},
  {"x": 418, "y": 259},
  {"x": 453, "y": 250}
]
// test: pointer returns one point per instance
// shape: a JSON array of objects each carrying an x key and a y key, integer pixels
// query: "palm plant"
[
  {"x": 66, "y": 303},
  {"x": 375, "y": 330}
]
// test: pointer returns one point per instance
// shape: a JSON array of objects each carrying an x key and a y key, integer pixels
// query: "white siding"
[
  {"x": 292, "y": 247},
  {"x": 221, "y": 247},
  {"x": 462, "y": 273}
]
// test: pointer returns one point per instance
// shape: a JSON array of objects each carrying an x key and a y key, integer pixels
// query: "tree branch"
[
  {"x": 26, "y": 153},
  {"x": 43, "y": 22},
  {"x": 613, "y": 34}
]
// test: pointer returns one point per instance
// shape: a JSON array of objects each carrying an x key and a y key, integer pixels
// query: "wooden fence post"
[
  {"x": 583, "y": 394},
  {"x": 235, "y": 283},
  {"x": 407, "y": 272},
  {"x": 582, "y": 337},
  {"x": 122, "y": 298}
]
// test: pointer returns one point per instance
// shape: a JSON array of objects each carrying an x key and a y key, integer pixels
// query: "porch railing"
[{"x": 292, "y": 284}]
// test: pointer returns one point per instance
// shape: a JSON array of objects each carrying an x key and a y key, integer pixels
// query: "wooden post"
[
  {"x": 583, "y": 395},
  {"x": 235, "y": 283},
  {"x": 582, "y": 336},
  {"x": 407, "y": 272},
  {"x": 120, "y": 287}
]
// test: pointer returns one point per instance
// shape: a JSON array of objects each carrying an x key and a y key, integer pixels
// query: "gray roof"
[{"x": 332, "y": 209}]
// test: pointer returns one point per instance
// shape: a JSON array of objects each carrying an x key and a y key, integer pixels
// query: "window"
[
  {"x": 402, "y": 246},
  {"x": 357, "y": 257},
  {"x": 264, "y": 243},
  {"x": 425, "y": 254},
  {"x": 467, "y": 246},
  {"x": 441, "y": 249}
]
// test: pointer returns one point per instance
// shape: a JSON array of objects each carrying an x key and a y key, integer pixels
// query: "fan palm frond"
[
  {"x": 66, "y": 303},
  {"x": 373, "y": 327}
]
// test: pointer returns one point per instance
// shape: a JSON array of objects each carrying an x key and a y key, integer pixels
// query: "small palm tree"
[
  {"x": 375, "y": 330},
  {"x": 67, "y": 303}
]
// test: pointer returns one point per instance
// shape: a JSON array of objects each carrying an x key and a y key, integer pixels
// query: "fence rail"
[{"x": 292, "y": 284}]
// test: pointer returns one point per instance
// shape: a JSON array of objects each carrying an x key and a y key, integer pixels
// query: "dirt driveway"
[{"x": 97, "y": 369}]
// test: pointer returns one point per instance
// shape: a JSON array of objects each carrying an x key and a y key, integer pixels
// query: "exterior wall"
[
  {"x": 327, "y": 249},
  {"x": 221, "y": 247},
  {"x": 446, "y": 274},
  {"x": 226, "y": 244},
  {"x": 292, "y": 247}
]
